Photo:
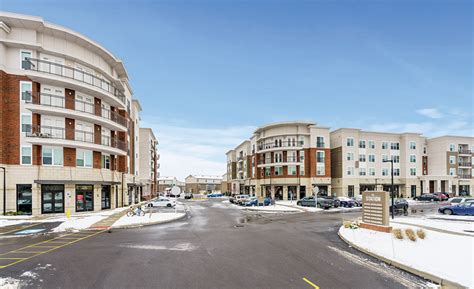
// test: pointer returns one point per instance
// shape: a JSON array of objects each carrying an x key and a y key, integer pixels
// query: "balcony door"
[
  {"x": 52, "y": 96},
  {"x": 85, "y": 103},
  {"x": 52, "y": 126},
  {"x": 84, "y": 132},
  {"x": 52, "y": 65}
]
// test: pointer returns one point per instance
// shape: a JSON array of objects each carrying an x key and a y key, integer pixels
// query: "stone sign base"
[{"x": 380, "y": 228}]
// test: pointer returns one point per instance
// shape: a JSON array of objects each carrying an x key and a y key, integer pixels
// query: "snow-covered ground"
[
  {"x": 452, "y": 217},
  {"x": 4, "y": 223},
  {"x": 412, "y": 202},
  {"x": 445, "y": 255},
  {"x": 293, "y": 204},
  {"x": 272, "y": 208},
  {"x": 83, "y": 220},
  {"x": 153, "y": 218},
  {"x": 445, "y": 224}
]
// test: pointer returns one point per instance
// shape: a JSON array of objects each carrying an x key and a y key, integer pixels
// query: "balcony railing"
[
  {"x": 464, "y": 151},
  {"x": 82, "y": 106},
  {"x": 282, "y": 145},
  {"x": 466, "y": 176},
  {"x": 72, "y": 73},
  {"x": 291, "y": 159},
  {"x": 465, "y": 164},
  {"x": 73, "y": 134},
  {"x": 320, "y": 144}
]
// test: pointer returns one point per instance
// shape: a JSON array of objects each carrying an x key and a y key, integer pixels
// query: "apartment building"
[
  {"x": 449, "y": 165},
  {"x": 149, "y": 165},
  {"x": 165, "y": 183},
  {"x": 358, "y": 162},
  {"x": 283, "y": 160},
  {"x": 202, "y": 184},
  {"x": 69, "y": 124}
]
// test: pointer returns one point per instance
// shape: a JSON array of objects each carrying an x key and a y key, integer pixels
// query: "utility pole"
[{"x": 4, "y": 190}]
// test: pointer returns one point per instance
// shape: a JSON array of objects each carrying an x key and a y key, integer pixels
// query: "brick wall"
[
  {"x": 97, "y": 163},
  {"x": 70, "y": 96},
  {"x": 69, "y": 157}
]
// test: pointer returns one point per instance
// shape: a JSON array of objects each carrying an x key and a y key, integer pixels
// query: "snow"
[
  {"x": 412, "y": 202},
  {"x": 448, "y": 225},
  {"x": 9, "y": 283},
  {"x": 444, "y": 255},
  {"x": 147, "y": 219},
  {"x": 83, "y": 220},
  {"x": 272, "y": 208},
  {"x": 4, "y": 223}
]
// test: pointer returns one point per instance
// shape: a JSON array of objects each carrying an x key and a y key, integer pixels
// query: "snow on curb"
[
  {"x": 147, "y": 220},
  {"x": 417, "y": 257}
]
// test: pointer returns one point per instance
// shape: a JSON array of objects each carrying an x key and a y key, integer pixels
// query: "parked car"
[
  {"x": 346, "y": 202},
  {"x": 427, "y": 197},
  {"x": 442, "y": 196},
  {"x": 237, "y": 198},
  {"x": 335, "y": 201},
  {"x": 253, "y": 201},
  {"x": 242, "y": 199},
  {"x": 358, "y": 203},
  {"x": 459, "y": 200},
  {"x": 161, "y": 202},
  {"x": 466, "y": 208},
  {"x": 400, "y": 205},
  {"x": 188, "y": 196},
  {"x": 215, "y": 195},
  {"x": 310, "y": 202}
]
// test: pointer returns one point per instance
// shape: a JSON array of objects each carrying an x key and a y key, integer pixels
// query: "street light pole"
[
  {"x": 392, "y": 187},
  {"x": 4, "y": 190}
]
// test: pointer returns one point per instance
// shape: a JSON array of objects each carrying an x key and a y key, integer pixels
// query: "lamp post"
[
  {"x": 4, "y": 190},
  {"x": 392, "y": 192}
]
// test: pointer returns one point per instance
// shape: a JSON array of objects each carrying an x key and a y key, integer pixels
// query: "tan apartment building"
[
  {"x": 358, "y": 162},
  {"x": 202, "y": 184},
  {"x": 282, "y": 160},
  {"x": 148, "y": 163},
  {"x": 165, "y": 183},
  {"x": 69, "y": 124},
  {"x": 449, "y": 166}
]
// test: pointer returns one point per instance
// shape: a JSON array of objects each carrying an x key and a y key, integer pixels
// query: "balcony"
[
  {"x": 269, "y": 146},
  {"x": 464, "y": 151},
  {"x": 465, "y": 164},
  {"x": 240, "y": 158},
  {"x": 464, "y": 176},
  {"x": 56, "y": 105},
  {"x": 54, "y": 136},
  {"x": 57, "y": 69}
]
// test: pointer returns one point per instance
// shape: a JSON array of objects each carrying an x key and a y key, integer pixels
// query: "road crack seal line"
[{"x": 381, "y": 268}]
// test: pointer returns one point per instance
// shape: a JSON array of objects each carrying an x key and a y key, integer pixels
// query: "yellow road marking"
[
  {"x": 311, "y": 283},
  {"x": 19, "y": 229},
  {"x": 43, "y": 252},
  {"x": 11, "y": 258}
]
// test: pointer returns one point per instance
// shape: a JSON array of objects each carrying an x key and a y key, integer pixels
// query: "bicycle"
[{"x": 138, "y": 211}]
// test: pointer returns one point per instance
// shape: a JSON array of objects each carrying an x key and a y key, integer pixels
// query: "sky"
[{"x": 207, "y": 73}]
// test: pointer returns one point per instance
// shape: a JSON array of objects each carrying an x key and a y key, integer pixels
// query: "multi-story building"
[
  {"x": 68, "y": 125},
  {"x": 449, "y": 165},
  {"x": 201, "y": 184},
  {"x": 284, "y": 160},
  {"x": 148, "y": 163},
  {"x": 165, "y": 183},
  {"x": 358, "y": 161}
]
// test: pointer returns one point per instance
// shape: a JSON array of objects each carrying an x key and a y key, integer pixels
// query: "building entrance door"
[
  {"x": 84, "y": 198},
  {"x": 105, "y": 199},
  {"x": 52, "y": 199}
]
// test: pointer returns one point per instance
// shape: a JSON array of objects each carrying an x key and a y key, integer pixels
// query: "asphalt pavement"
[{"x": 216, "y": 246}]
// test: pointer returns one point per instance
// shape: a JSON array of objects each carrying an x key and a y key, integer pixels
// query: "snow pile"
[
  {"x": 154, "y": 218},
  {"x": 444, "y": 255},
  {"x": 9, "y": 283},
  {"x": 83, "y": 220},
  {"x": 4, "y": 223},
  {"x": 446, "y": 224}
]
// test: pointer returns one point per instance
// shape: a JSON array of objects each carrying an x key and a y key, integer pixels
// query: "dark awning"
[{"x": 78, "y": 182}]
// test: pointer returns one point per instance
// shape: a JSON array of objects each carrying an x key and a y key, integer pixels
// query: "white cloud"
[
  {"x": 429, "y": 129},
  {"x": 186, "y": 150},
  {"x": 430, "y": 112}
]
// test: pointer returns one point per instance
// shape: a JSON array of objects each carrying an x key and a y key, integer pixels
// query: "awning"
[{"x": 78, "y": 182}]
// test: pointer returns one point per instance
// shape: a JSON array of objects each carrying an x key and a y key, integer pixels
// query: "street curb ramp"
[
  {"x": 149, "y": 224},
  {"x": 446, "y": 284}
]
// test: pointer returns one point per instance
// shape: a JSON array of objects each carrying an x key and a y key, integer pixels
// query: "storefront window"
[{"x": 23, "y": 200}]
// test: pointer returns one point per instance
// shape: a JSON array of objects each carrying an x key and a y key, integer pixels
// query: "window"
[
  {"x": 472, "y": 172},
  {"x": 292, "y": 170},
  {"x": 25, "y": 90},
  {"x": 350, "y": 171},
  {"x": 395, "y": 146},
  {"x": 361, "y": 171},
  {"x": 26, "y": 155},
  {"x": 371, "y": 158},
  {"x": 278, "y": 171},
  {"x": 24, "y": 55},
  {"x": 452, "y": 171},
  {"x": 412, "y": 171},
  {"x": 362, "y": 144},
  {"x": 84, "y": 158},
  {"x": 350, "y": 142},
  {"x": 300, "y": 141},
  {"x": 384, "y": 172},
  {"x": 413, "y": 145},
  {"x": 396, "y": 172},
  {"x": 320, "y": 156},
  {"x": 320, "y": 169},
  {"x": 452, "y": 160},
  {"x": 350, "y": 156},
  {"x": 362, "y": 158},
  {"x": 452, "y": 147},
  {"x": 384, "y": 145},
  {"x": 291, "y": 156},
  {"x": 278, "y": 157},
  {"x": 384, "y": 158},
  {"x": 267, "y": 172},
  {"x": 301, "y": 170},
  {"x": 302, "y": 156},
  {"x": 52, "y": 156},
  {"x": 106, "y": 162},
  {"x": 371, "y": 144},
  {"x": 412, "y": 158},
  {"x": 424, "y": 150},
  {"x": 371, "y": 171},
  {"x": 320, "y": 142},
  {"x": 26, "y": 123},
  {"x": 396, "y": 159}
]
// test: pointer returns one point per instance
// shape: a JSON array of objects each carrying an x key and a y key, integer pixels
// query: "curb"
[
  {"x": 428, "y": 276},
  {"x": 150, "y": 224}
]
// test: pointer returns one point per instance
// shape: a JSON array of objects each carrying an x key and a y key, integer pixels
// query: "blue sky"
[{"x": 208, "y": 73}]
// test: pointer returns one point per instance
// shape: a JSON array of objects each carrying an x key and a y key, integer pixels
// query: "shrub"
[
  {"x": 398, "y": 234},
  {"x": 410, "y": 234},
  {"x": 421, "y": 234},
  {"x": 347, "y": 224}
]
